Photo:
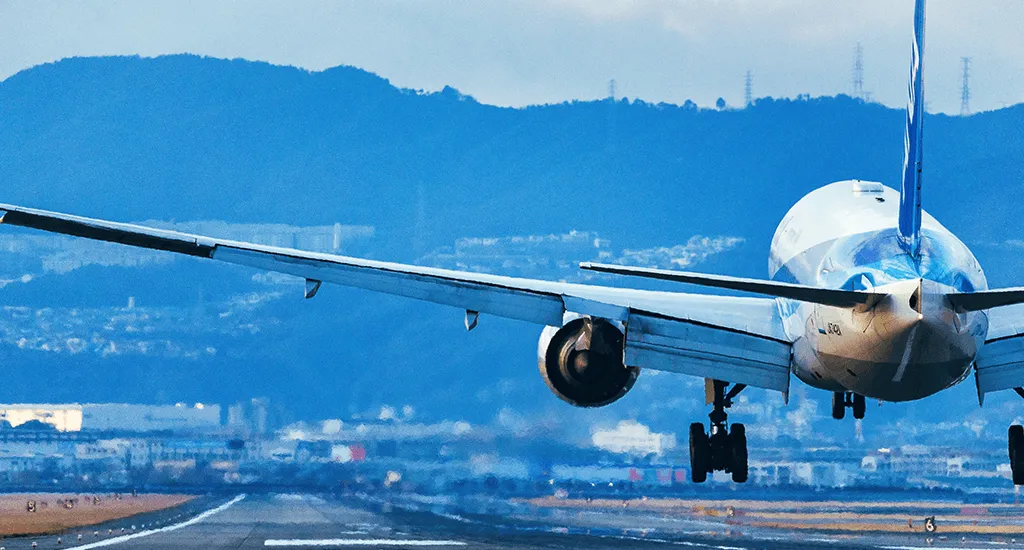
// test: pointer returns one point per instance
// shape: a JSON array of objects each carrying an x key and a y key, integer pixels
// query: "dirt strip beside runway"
[{"x": 54, "y": 514}]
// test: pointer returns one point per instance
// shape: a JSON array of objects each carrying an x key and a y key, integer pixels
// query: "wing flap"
[
  {"x": 1000, "y": 365},
  {"x": 711, "y": 352}
]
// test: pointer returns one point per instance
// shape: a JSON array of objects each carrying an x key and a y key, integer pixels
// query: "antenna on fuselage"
[{"x": 909, "y": 227}]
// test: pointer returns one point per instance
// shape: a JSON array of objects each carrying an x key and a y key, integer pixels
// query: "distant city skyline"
[{"x": 534, "y": 52}]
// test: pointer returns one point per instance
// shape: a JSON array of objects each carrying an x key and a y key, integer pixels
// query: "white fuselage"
[{"x": 909, "y": 345}]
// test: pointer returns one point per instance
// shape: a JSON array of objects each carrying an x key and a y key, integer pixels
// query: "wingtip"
[{"x": 603, "y": 268}]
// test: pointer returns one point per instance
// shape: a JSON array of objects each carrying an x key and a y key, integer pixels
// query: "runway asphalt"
[{"x": 306, "y": 521}]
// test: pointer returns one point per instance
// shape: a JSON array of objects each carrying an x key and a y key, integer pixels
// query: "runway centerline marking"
[
  {"x": 175, "y": 527},
  {"x": 360, "y": 542}
]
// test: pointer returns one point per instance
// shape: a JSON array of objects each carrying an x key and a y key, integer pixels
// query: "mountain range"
[{"x": 434, "y": 178}]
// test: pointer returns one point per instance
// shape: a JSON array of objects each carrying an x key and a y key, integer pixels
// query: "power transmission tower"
[
  {"x": 748, "y": 94},
  {"x": 965, "y": 89},
  {"x": 609, "y": 143},
  {"x": 858, "y": 73}
]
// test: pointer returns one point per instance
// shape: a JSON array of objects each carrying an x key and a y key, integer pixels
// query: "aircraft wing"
[
  {"x": 1000, "y": 363},
  {"x": 735, "y": 339}
]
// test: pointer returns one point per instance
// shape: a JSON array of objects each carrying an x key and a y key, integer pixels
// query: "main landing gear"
[
  {"x": 843, "y": 399},
  {"x": 1017, "y": 453},
  {"x": 721, "y": 449},
  {"x": 1016, "y": 448}
]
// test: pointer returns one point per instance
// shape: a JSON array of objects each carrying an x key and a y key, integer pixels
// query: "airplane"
[{"x": 868, "y": 296}]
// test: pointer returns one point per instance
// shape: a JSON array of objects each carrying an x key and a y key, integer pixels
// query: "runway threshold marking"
[
  {"x": 360, "y": 542},
  {"x": 175, "y": 527}
]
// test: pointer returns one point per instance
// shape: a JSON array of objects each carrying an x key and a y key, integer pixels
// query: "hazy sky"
[{"x": 532, "y": 51}]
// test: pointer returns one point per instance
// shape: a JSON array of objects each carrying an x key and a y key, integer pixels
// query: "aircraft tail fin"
[
  {"x": 910, "y": 191},
  {"x": 824, "y": 296}
]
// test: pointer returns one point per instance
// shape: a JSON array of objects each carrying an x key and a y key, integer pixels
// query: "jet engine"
[{"x": 583, "y": 362}]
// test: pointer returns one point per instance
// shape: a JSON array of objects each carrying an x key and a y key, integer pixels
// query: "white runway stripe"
[
  {"x": 360, "y": 542},
  {"x": 175, "y": 527}
]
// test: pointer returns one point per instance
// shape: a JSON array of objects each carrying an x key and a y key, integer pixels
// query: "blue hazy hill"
[
  {"x": 190, "y": 138},
  {"x": 199, "y": 138}
]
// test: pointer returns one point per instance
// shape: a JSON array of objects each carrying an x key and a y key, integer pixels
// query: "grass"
[{"x": 51, "y": 516}]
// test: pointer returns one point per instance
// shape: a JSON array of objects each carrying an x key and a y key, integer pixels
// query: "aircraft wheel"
[
  {"x": 738, "y": 443},
  {"x": 859, "y": 406},
  {"x": 700, "y": 450},
  {"x": 838, "y": 405},
  {"x": 1016, "y": 451}
]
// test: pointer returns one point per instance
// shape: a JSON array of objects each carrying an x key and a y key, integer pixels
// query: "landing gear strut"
[
  {"x": 723, "y": 448},
  {"x": 841, "y": 400}
]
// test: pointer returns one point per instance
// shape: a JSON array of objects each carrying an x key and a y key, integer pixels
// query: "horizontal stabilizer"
[
  {"x": 823, "y": 296},
  {"x": 987, "y": 299}
]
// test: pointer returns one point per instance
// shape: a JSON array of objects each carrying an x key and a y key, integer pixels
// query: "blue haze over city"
[{"x": 342, "y": 160}]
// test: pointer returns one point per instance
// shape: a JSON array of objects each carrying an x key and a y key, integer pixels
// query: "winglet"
[{"x": 910, "y": 191}]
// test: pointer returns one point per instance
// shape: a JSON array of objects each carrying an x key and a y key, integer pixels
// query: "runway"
[{"x": 307, "y": 521}]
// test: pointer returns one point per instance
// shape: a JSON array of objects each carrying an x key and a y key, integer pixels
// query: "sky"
[{"x": 521, "y": 52}]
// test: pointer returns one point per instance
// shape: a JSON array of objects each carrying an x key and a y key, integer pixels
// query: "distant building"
[
  {"x": 113, "y": 417},
  {"x": 150, "y": 418},
  {"x": 521, "y": 255},
  {"x": 324, "y": 238},
  {"x": 251, "y": 417},
  {"x": 64, "y": 418},
  {"x": 634, "y": 438}
]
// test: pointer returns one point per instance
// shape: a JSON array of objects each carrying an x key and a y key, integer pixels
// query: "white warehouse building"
[{"x": 114, "y": 416}]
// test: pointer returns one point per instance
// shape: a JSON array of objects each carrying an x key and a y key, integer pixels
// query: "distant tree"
[
  {"x": 690, "y": 105},
  {"x": 36, "y": 426},
  {"x": 720, "y": 103}
]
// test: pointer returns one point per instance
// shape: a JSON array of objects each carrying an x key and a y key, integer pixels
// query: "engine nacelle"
[{"x": 583, "y": 362}]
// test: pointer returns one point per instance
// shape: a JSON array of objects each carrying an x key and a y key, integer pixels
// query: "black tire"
[
  {"x": 1015, "y": 435},
  {"x": 1016, "y": 452},
  {"x": 738, "y": 446},
  {"x": 838, "y": 405},
  {"x": 700, "y": 447},
  {"x": 859, "y": 406}
]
